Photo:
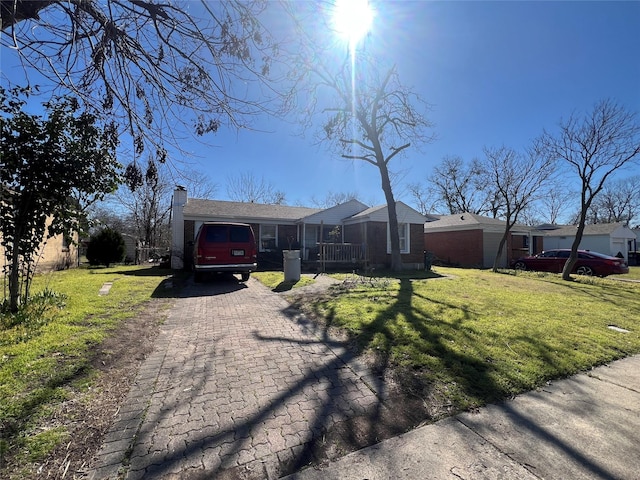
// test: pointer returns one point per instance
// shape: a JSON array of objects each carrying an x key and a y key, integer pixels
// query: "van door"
[{"x": 213, "y": 245}]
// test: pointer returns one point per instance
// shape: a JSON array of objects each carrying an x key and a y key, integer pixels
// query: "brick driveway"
[{"x": 236, "y": 387}]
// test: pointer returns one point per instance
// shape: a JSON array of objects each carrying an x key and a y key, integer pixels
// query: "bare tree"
[
  {"x": 145, "y": 211},
  {"x": 619, "y": 201},
  {"x": 246, "y": 187},
  {"x": 373, "y": 122},
  {"x": 460, "y": 188},
  {"x": 594, "y": 147},
  {"x": 423, "y": 198},
  {"x": 152, "y": 66},
  {"x": 368, "y": 114},
  {"x": 332, "y": 199},
  {"x": 554, "y": 202},
  {"x": 517, "y": 179}
]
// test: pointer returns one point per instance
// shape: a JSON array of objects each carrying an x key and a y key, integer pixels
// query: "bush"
[{"x": 105, "y": 248}]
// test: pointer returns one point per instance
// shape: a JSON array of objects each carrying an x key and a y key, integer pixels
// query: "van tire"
[
  {"x": 197, "y": 277},
  {"x": 244, "y": 276}
]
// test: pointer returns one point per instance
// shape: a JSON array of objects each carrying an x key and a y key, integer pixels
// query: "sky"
[{"x": 494, "y": 73}]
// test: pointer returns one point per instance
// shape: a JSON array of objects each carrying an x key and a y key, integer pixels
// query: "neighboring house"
[
  {"x": 471, "y": 240},
  {"x": 58, "y": 253},
  {"x": 347, "y": 233},
  {"x": 608, "y": 238}
]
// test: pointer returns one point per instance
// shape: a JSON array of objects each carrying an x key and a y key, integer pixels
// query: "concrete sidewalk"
[{"x": 584, "y": 427}]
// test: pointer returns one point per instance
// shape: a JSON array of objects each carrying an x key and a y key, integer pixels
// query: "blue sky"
[{"x": 494, "y": 72}]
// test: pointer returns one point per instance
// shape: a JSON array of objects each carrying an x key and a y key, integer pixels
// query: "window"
[
  {"x": 239, "y": 234},
  {"x": 217, "y": 234},
  {"x": 403, "y": 232},
  {"x": 268, "y": 237},
  {"x": 329, "y": 234}
]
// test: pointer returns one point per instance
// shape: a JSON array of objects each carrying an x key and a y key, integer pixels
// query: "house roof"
[
  {"x": 244, "y": 211},
  {"x": 337, "y": 213},
  {"x": 405, "y": 214},
  {"x": 597, "y": 229},
  {"x": 252, "y": 212},
  {"x": 470, "y": 221}
]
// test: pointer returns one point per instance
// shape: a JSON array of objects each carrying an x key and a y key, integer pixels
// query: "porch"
[{"x": 335, "y": 255}]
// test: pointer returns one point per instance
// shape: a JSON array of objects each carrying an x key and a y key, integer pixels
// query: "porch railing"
[{"x": 341, "y": 253}]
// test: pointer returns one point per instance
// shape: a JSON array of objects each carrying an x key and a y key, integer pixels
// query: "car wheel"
[
  {"x": 520, "y": 266},
  {"x": 583, "y": 270},
  {"x": 197, "y": 277},
  {"x": 245, "y": 276}
]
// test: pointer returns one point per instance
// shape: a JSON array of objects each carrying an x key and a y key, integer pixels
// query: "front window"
[
  {"x": 329, "y": 234},
  {"x": 403, "y": 233},
  {"x": 268, "y": 237}
]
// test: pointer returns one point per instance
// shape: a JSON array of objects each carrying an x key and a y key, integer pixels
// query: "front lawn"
[
  {"x": 453, "y": 338},
  {"x": 634, "y": 273},
  {"x": 473, "y": 337},
  {"x": 275, "y": 281},
  {"x": 46, "y": 353}
]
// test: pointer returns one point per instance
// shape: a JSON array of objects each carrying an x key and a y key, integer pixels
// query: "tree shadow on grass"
[{"x": 207, "y": 418}]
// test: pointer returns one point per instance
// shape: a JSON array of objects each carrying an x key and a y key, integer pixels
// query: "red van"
[{"x": 224, "y": 247}]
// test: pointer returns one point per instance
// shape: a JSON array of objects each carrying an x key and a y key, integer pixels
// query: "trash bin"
[{"x": 291, "y": 262}]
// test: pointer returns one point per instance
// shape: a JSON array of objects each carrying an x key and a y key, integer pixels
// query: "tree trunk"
[
  {"x": 396, "y": 258},
  {"x": 573, "y": 256},
  {"x": 505, "y": 236},
  {"x": 501, "y": 245},
  {"x": 14, "y": 272}
]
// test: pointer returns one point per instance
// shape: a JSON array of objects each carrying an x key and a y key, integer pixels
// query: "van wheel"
[
  {"x": 197, "y": 277},
  {"x": 244, "y": 276}
]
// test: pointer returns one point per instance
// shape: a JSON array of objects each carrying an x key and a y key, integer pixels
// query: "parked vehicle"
[
  {"x": 588, "y": 263},
  {"x": 224, "y": 247}
]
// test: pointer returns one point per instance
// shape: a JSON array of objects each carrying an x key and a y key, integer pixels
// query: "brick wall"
[
  {"x": 463, "y": 248},
  {"x": 377, "y": 244},
  {"x": 417, "y": 246},
  {"x": 354, "y": 233}
]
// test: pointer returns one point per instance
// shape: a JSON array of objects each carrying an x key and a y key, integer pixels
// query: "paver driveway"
[{"x": 236, "y": 387}]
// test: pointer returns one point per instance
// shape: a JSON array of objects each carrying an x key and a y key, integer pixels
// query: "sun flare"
[{"x": 352, "y": 19}]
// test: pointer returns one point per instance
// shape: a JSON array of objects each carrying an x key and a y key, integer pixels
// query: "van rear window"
[
  {"x": 216, "y": 234},
  {"x": 239, "y": 234}
]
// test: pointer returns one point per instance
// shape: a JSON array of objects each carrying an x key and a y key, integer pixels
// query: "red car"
[{"x": 589, "y": 263}]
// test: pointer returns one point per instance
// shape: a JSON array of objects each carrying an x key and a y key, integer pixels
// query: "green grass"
[
  {"x": 41, "y": 368},
  {"x": 275, "y": 281},
  {"x": 477, "y": 336},
  {"x": 634, "y": 273},
  {"x": 470, "y": 336}
]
